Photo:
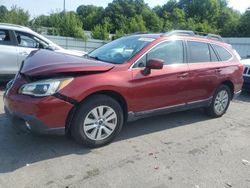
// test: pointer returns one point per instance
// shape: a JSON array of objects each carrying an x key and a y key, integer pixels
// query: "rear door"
[
  {"x": 8, "y": 53},
  {"x": 205, "y": 68},
  {"x": 165, "y": 87}
]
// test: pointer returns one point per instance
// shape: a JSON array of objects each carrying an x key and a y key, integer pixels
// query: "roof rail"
[
  {"x": 193, "y": 33},
  {"x": 139, "y": 32},
  {"x": 213, "y": 36},
  {"x": 179, "y": 32}
]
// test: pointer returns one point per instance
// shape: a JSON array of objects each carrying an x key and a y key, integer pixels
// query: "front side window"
[
  {"x": 121, "y": 50},
  {"x": 29, "y": 41},
  {"x": 222, "y": 52},
  {"x": 171, "y": 52},
  {"x": 198, "y": 52}
]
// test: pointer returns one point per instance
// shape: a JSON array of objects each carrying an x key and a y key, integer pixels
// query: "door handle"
[
  {"x": 218, "y": 70},
  {"x": 183, "y": 75}
]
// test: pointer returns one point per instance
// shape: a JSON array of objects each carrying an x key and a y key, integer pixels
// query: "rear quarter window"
[{"x": 222, "y": 52}]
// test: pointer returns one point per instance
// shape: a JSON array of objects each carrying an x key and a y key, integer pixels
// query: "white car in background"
[
  {"x": 16, "y": 43},
  {"x": 246, "y": 74}
]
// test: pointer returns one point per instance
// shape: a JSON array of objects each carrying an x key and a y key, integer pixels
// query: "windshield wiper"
[
  {"x": 98, "y": 59},
  {"x": 94, "y": 57}
]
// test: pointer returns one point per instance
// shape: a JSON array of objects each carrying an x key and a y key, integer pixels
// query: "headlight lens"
[{"x": 44, "y": 87}]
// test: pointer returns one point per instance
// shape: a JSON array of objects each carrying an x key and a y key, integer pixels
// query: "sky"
[{"x": 38, "y": 7}]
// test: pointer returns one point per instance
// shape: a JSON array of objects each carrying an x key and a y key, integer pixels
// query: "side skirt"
[{"x": 133, "y": 116}]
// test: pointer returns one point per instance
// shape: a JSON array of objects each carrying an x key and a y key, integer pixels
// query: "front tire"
[
  {"x": 97, "y": 121},
  {"x": 220, "y": 102}
]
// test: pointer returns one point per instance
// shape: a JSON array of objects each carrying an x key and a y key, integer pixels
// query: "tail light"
[{"x": 241, "y": 68}]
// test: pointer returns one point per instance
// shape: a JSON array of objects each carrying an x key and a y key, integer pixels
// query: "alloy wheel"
[
  {"x": 221, "y": 102},
  {"x": 100, "y": 123}
]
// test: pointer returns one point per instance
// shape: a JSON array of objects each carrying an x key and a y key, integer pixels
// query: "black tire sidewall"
[
  {"x": 211, "y": 109},
  {"x": 84, "y": 108}
]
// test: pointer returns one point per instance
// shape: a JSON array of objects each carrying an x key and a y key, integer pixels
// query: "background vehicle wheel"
[
  {"x": 220, "y": 102},
  {"x": 97, "y": 121}
]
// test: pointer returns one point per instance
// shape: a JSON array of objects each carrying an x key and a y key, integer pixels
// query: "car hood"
[
  {"x": 46, "y": 62},
  {"x": 72, "y": 52}
]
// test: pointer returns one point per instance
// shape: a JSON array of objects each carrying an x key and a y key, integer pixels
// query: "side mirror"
[{"x": 153, "y": 64}]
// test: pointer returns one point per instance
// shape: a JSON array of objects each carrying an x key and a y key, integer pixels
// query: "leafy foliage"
[
  {"x": 64, "y": 24},
  {"x": 15, "y": 15},
  {"x": 127, "y": 16}
]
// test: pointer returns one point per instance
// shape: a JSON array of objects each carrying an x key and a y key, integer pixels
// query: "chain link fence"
[{"x": 241, "y": 45}]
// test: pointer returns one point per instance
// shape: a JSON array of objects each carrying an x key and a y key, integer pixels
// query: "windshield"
[{"x": 120, "y": 50}]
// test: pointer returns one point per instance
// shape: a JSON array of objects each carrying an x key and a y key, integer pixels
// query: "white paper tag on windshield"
[{"x": 146, "y": 39}]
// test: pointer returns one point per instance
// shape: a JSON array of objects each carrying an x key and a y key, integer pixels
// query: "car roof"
[
  {"x": 186, "y": 34},
  {"x": 14, "y": 27}
]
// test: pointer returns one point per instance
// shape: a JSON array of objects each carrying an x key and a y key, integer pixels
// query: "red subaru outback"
[{"x": 130, "y": 78}]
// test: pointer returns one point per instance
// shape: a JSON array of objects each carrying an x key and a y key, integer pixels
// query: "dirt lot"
[{"x": 185, "y": 149}]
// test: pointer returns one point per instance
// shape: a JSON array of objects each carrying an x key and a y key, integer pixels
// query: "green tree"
[
  {"x": 244, "y": 25},
  {"x": 118, "y": 34},
  {"x": 65, "y": 24},
  {"x": 228, "y": 22},
  {"x": 16, "y": 15},
  {"x": 101, "y": 32},
  {"x": 152, "y": 21},
  {"x": 3, "y": 12},
  {"x": 71, "y": 25},
  {"x": 136, "y": 24},
  {"x": 90, "y": 15},
  {"x": 122, "y": 12}
]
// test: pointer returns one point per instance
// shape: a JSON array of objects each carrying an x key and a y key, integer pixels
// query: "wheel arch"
[
  {"x": 113, "y": 94},
  {"x": 230, "y": 85}
]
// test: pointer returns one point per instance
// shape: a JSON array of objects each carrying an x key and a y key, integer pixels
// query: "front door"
[{"x": 161, "y": 88}]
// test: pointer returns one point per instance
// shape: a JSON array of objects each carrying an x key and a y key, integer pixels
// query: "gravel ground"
[{"x": 185, "y": 149}]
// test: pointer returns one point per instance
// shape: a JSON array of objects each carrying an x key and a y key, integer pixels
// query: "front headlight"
[{"x": 44, "y": 87}]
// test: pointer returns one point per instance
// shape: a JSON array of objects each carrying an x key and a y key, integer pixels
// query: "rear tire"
[
  {"x": 97, "y": 121},
  {"x": 220, "y": 102}
]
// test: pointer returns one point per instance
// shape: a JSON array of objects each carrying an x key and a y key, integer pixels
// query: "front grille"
[{"x": 246, "y": 71}]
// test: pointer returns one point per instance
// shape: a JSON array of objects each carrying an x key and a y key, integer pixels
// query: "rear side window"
[
  {"x": 222, "y": 52},
  {"x": 4, "y": 37},
  {"x": 198, "y": 52}
]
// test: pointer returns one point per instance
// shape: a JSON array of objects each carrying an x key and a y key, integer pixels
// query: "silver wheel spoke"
[
  {"x": 89, "y": 121},
  {"x": 99, "y": 134},
  {"x": 93, "y": 133},
  {"x": 110, "y": 125},
  {"x": 113, "y": 116},
  {"x": 89, "y": 127},
  {"x": 94, "y": 113},
  {"x": 107, "y": 131},
  {"x": 100, "y": 111},
  {"x": 100, "y": 123},
  {"x": 107, "y": 113}
]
